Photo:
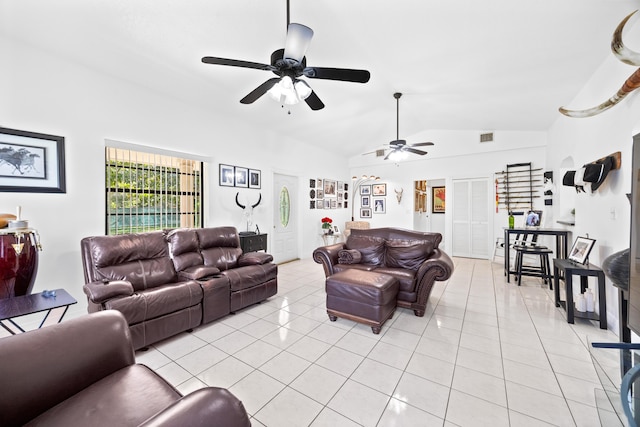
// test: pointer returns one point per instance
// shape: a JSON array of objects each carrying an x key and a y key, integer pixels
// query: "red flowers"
[{"x": 326, "y": 219}]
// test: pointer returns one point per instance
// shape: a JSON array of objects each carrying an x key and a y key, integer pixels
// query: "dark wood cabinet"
[{"x": 253, "y": 242}]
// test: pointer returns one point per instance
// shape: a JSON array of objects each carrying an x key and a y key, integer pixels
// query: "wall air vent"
[
  {"x": 380, "y": 153},
  {"x": 486, "y": 137}
]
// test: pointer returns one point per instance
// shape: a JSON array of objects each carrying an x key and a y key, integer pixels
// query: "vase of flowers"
[{"x": 326, "y": 225}]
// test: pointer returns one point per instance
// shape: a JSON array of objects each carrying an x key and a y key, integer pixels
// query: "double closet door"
[{"x": 471, "y": 214}]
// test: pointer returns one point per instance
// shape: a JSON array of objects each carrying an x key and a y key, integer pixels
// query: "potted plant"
[{"x": 326, "y": 224}]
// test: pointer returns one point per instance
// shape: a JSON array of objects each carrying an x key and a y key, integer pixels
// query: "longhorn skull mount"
[
  {"x": 625, "y": 55},
  {"x": 399, "y": 194},
  {"x": 248, "y": 211}
]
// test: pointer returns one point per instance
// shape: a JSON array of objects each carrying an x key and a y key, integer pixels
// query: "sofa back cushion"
[
  {"x": 183, "y": 246},
  {"x": 219, "y": 246},
  {"x": 142, "y": 259},
  {"x": 407, "y": 253},
  {"x": 371, "y": 248}
]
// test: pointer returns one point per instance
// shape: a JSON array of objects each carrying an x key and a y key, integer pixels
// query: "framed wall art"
[
  {"x": 365, "y": 213},
  {"x": 255, "y": 178},
  {"x": 379, "y": 205},
  {"x": 31, "y": 162},
  {"x": 581, "y": 248},
  {"x": 242, "y": 177},
  {"x": 227, "y": 176},
  {"x": 379, "y": 189},
  {"x": 329, "y": 188},
  {"x": 437, "y": 199},
  {"x": 365, "y": 190}
]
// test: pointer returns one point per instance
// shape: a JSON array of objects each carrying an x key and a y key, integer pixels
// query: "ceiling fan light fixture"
[
  {"x": 298, "y": 40},
  {"x": 398, "y": 155},
  {"x": 302, "y": 89}
]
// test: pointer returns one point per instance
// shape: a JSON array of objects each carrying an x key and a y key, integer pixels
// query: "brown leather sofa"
[
  {"x": 82, "y": 372},
  {"x": 170, "y": 282},
  {"x": 412, "y": 257}
]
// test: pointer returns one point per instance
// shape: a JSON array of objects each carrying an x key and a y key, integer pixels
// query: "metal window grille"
[{"x": 147, "y": 191}]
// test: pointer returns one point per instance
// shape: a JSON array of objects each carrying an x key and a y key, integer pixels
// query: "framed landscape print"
[
  {"x": 379, "y": 189},
  {"x": 31, "y": 162}
]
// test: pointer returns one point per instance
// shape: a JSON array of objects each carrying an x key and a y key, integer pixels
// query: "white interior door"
[
  {"x": 471, "y": 218},
  {"x": 285, "y": 218}
]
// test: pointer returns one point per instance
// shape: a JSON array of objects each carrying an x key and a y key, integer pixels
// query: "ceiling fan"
[
  {"x": 289, "y": 64},
  {"x": 399, "y": 146}
]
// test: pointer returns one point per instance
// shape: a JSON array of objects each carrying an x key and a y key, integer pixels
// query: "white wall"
[{"x": 46, "y": 94}]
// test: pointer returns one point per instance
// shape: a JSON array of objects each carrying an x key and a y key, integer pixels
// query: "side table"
[
  {"x": 253, "y": 242},
  {"x": 33, "y": 303},
  {"x": 569, "y": 269}
]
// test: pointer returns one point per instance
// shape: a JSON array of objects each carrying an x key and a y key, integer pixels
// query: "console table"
[
  {"x": 570, "y": 268},
  {"x": 33, "y": 303},
  {"x": 253, "y": 242}
]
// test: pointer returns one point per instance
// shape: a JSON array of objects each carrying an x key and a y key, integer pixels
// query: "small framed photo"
[
  {"x": 340, "y": 186},
  {"x": 581, "y": 248},
  {"x": 379, "y": 189},
  {"x": 227, "y": 176},
  {"x": 31, "y": 162},
  {"x": 380, "y": 205},
  {"x": 346, "y": 204},
  {"x": 327, "y": 203},
  {"x": 312, "y": 204},
  {"x": 365, "y": 201},
  {"x": 312, "y": 183},
  {"x": 255, "y": 178},
  {"x": 242, "y": 177},
  {"x": 336, "y": 229},
  {"x": 329, "y": 188},
  {"x": 319, "y": 183},
  {"x": 365, "y": 190},
  {"x": 365, "y": 213},
  {"x": 319, "y": 194}
]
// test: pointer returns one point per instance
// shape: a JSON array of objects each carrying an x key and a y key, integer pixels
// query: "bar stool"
[{"x": 543, "y": 270}]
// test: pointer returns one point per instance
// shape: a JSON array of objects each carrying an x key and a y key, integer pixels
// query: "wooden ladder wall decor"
[{"x": 518, "y": 186}]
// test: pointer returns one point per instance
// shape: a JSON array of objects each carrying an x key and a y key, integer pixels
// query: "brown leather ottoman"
[{"x": 362, "y": 296}]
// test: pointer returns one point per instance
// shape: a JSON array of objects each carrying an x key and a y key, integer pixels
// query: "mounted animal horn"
[
  {"x": 399, "y": 194},
  {"x": 238, "y": 203},
  {"x": 625, "y": 55},
  {"x": 259, "y": 200}
]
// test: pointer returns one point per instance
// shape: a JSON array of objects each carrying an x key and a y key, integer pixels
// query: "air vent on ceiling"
[
  {"x": 486, "y": 137},
  {"x": 380, "y": 153}
]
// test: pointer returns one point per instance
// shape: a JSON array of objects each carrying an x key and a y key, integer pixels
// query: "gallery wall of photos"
[{"x": 328, "y": 194}]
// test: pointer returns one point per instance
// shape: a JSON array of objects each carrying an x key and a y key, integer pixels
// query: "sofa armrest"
[
  {"x": 205, "y": 407},
  {"x": 254, "y": 258},
  {"x": 99, "y": 292},
  {"x": 328, "y": 257},
  {"x": 44, "y": 367},
  {"x": 198, "y": 272},
  {"x": 438, "y": 267}
]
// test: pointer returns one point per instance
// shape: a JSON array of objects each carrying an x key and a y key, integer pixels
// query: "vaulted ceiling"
[{"x": 462, "y": 65}]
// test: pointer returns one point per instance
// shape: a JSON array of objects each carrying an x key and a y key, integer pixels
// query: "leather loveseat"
[
  {"x": 82, "y": 372},
  {"x": 167, "y": 282},
  {"x": 412, "y": 257}
]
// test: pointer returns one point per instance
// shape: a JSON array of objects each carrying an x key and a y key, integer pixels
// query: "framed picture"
[
  {"x": 437, "y": 199},
  {"x": 242, "y": 177},
  {"x": 340, "y": 186},
  {"x": 227, "y": 176},
  {"x": 365, "y": 213},
  {"x": 365, "y": 201},
  {"x": 329, "y": 188},
  {"x": 319, "y": 194},
  {"x": 379, "y": 189},
  {"x": 31, "y": 162},
  {"x": 312, "y": 204},
  {"x": 581, "y": 249},
  {"x": 319, "y": 183},
  {"x": 380, "y": 205},
  {"x": 312, "y": 183},
  {"x": 365, "y": 190},
  {"x": 327, "y": 203},
  {"x": 336, "y": 229},
  {"x": 255, "y": 178}
]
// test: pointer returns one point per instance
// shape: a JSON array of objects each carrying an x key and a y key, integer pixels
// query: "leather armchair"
[{"x": 82, "y": 372}]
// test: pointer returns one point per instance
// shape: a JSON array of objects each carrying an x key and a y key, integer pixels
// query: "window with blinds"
[{"x": 147, "y": 191}]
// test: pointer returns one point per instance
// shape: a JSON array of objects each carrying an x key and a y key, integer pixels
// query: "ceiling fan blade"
[
  {"x": 343, "y": 74},
  {"x": 259, "y": 91},
  {"x": 314, "y": 102},
  {"x": 421, "y": 144},
  {"x": 414, "y": 151},
  {"x": 389, "y": 155},
  {"x": 298, "y": 40},
  {"x": 237, "y": 63}
]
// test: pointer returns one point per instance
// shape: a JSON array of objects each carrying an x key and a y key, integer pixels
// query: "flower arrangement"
[{"x": 326, "y": 222}]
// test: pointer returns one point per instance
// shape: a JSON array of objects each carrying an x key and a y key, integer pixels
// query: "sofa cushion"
[
  {"x": 198, "y": 272},
  {"x": 219, "y": 246},
  {"x": 158, "y": 301},
  {"x": 249, "y": 276},
  {"x": 349, "y": 256},
  {"x": 406, "y": 253},
  {"x": 371, "y": 248},
  {"x": 113, "y": 401},
  {"x": 223, "y": 258},
  {"x": 183, "y": 245}
]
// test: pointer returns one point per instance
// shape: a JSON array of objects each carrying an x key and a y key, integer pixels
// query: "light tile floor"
[{"x": 486, "y": 353}]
